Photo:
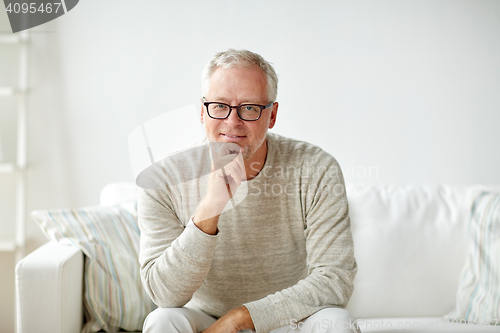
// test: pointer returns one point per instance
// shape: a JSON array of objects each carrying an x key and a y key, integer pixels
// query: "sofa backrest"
[
  {"x": 410, "y": 246},
  {"x": 116, "y": 193}
]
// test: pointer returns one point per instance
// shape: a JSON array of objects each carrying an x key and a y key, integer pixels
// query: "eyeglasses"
[{"x": 247, "y": 112}]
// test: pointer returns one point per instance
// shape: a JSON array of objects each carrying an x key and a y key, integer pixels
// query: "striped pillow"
[
  {"x": 114, "y": 298},
  {"x": 478, "y": 297}
]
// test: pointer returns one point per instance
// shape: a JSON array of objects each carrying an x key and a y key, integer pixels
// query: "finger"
[
  {"x": 224, "y": 160},
  {"x": 233, "y": 173},
  {"x": 225, "y": 148},
  {"x": 221, "y": 162},
  {"x": 226, "y": 177},
  {"x": 237, "y": 171},
  {"x": 237, "y": 166}
]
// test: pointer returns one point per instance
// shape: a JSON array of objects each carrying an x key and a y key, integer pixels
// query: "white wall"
[{"x": 398, "y": 91}]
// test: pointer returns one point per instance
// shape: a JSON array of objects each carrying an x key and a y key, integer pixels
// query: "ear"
[
  {"x": 202, "y": 110},
  {"x": 274, "y": 114}
]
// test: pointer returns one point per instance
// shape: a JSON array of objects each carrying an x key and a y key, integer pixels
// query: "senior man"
[{"x": 279, "y": 260}]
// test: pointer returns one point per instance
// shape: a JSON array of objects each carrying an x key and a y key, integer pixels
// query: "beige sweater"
[{"x": 285, "y": 251}]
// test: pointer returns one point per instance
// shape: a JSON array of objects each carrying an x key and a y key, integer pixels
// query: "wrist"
[
  {"x": 242, "y": 318},
  {"x": 206, "y": 218}
]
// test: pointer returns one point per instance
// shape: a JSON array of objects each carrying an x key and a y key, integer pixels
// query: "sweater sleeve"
[
  {"x": 174, "y": 260},
  {"x": 330, "y": 254}
]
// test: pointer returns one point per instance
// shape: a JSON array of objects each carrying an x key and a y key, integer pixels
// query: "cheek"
[
  {"x": 261, "y": 130},
  {"x": 210, "y": 125}
]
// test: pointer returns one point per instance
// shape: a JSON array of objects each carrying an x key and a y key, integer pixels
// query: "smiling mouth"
[{"x": 232, "y": 136}]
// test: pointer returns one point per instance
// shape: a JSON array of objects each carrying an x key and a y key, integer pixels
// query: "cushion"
[
  {"x": 410, "y": 243},
  {"x": 478, "y": 296},
  {"x": 114, "y": 298}
]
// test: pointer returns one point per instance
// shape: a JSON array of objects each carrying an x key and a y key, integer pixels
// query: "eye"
[{"x": 250, "y": 108}]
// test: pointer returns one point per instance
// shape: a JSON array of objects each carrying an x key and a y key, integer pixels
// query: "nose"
[{"x": 234, "y": 119}]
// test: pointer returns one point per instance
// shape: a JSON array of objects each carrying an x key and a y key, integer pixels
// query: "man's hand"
[
  {"x": 228, "y": 171},
  {"x": 232, "y": 322}
]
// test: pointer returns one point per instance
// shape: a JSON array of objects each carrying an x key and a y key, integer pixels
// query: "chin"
[{"x": 247, "y": 153}]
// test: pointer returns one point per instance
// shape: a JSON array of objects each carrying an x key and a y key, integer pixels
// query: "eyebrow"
[
  {"x": 224, "y": 100},
  {"x": 220, "y": 99}
]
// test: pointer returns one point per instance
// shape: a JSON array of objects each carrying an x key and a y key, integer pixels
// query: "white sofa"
[{"x": 410, "y": 245}]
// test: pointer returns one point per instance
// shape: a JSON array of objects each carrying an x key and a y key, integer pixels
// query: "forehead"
[{"x": 246, "y": 82}]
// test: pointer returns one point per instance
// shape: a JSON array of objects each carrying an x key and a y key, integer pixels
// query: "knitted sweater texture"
[{"x": 284, "y": 250}]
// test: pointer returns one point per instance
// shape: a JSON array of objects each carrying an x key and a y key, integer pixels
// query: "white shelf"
[
  {"x": 8, "y": 91},
  {"x": 15, "y": 169},
  {"x": 7, "y": 246},
  {"x": 7, "y": 167},
  {"x": 10, "y": 39}
]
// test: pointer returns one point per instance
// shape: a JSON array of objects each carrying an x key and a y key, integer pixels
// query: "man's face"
[{"x": 235, "y": 86}]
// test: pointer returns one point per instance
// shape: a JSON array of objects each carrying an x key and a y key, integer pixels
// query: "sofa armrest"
[{"x": 49, "y": 284}]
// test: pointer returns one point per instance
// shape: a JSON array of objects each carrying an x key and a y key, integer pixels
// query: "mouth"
[{"x": 232, "y": 137}]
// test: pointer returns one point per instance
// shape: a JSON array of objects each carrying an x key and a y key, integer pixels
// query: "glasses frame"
[{"x": 262, "y": 108}]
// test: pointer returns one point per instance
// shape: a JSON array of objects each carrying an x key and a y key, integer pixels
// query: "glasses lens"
[
  {"x": 249, "y": 112},
  {"x": 218, "y": 110}
]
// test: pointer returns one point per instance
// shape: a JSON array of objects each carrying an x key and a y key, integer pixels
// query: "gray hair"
[{"x": 234, "y": 58}]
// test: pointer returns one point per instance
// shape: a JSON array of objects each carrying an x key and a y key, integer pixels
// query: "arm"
[
  {"x": 176, "y": 260},
  {"x": 232, "y": 322},
  {"x": 330, "y": 254}
]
